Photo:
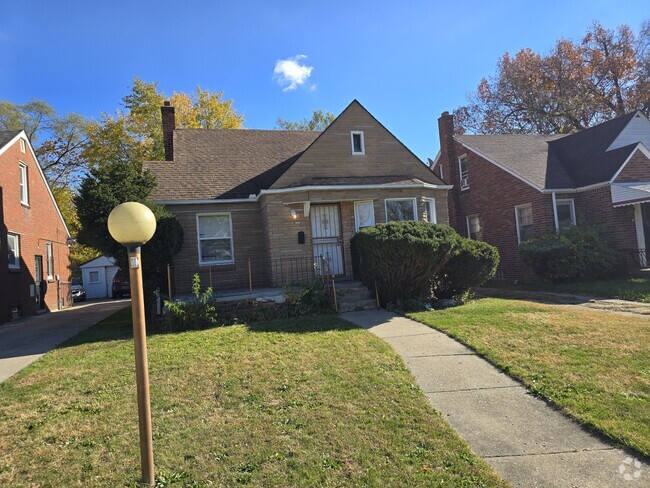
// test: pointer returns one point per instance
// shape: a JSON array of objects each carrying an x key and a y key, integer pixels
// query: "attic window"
[
  {"x": 22, "y": 145},
  {"x": 358, "y": 146}
]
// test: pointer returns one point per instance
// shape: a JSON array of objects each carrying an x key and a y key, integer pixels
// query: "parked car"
[
  {"x": 78, "y": 292},
  {"x": 121, "y": 286}
]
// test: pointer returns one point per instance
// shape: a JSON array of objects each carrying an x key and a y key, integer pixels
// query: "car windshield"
[{"x": 76, "y": 281}]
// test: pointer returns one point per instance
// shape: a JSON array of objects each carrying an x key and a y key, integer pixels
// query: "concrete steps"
[{"x": 353, "y": 296}]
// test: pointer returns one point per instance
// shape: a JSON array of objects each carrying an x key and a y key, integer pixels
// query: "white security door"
[{"x": 326, "y": 236}]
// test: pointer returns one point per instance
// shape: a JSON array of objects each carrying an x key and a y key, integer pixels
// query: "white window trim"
[
  {"x": 469, "y": 230},
  {"x": 415, "y": 207},
  {"x": 517, "y": 207},
  {"x": 49, "y": 254},
  {"x": 22, "y": 145},
  {"x": 570, "y": 201},
  {"x": 440, "y": 170},
  {"x": 23, "y": 171},
  {"x": 90, "y": 274},
  {"x": 363, "y": 143},
  {"x": 433, "y": 210},
  {"x": 460, "y": 172},
  {"x": 17, "y": 236},
  {"x": 198, "y": 239},
  {"x": 356, "y": 215}
]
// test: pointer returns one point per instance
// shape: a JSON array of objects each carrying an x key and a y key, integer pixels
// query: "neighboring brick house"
[
  {"x": 34, "y": 254},
  {"x": 510, "y": 187},
  {"x": 280, "y": 200}
]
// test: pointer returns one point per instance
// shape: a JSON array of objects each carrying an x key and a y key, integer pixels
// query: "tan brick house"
[
  {"x": 276, "y": 204},
  {"x": 34, "y": 254},
  {"x": 510, "y": 187}
]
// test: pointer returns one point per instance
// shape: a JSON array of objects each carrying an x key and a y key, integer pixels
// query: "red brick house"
[
  {"x": 510, "y": 187},
  {"x": 34, "y": 254},
  {"x": 266, "y": 205}
]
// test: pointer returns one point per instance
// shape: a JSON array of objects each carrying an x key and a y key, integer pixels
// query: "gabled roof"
[
  {"x": 557, "y": 161},
  {"x": 7, "y": 135},
  {"x": 226, "y": 163}
]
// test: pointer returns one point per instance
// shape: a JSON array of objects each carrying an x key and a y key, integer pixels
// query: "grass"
[
  {"x": 302, "y": 402},
  {"x": 634, "y": 289},
  {"x": 593, "y": 365}
]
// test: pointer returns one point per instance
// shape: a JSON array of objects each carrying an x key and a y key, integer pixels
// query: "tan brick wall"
[
  {"x": 36, "y": 224},
  {"x": 331, "y": 154}
]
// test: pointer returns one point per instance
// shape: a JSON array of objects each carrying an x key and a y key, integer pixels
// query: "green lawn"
[
  {"x": 304, "y": 402},
  {"x": 593, "y": 365},
  {"x": 634, "y": 289}
]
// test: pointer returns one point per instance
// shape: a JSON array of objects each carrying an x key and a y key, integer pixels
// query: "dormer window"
[
  {"x": 22, "y": 145},
  {"x": 358, "y": 146}
]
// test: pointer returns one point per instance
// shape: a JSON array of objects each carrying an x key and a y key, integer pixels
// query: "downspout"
[{"x": 557, "y": 225}]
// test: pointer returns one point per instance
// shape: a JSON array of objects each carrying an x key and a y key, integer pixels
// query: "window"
[
  {"x": 430, "y": 209},
  {"x": 358, "y": 146},
  {"x": 93, "y": 277},
  {"x": 566, "y": 213},
  {"x": 464, "y": 174},
  {"x": 24, "y": 190},
  {"x": 364, "y": 214},
  {"x": 473, "y": 227},
  {"x": 13, "y": 245},
  {"x": 50, "y": 260},
  {"x": 214, "y": 234},
  {"x": 400, "y": 209},
  {"x": 22, "y": 145},
  {"x": 524, "y": 218}
]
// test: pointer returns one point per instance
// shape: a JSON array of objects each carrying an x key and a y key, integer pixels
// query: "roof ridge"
[{"x": 245, "y": 129}]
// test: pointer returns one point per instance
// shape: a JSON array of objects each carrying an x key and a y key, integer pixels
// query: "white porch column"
[{"x": 640, "y": 234}]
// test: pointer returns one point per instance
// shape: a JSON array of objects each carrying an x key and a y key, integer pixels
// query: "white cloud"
[{"x": 290, "y": 73}]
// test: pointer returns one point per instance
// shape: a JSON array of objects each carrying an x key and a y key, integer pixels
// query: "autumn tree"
[
  {"x": 319, "y": 121},
  {"x": 575, "y": 86}
]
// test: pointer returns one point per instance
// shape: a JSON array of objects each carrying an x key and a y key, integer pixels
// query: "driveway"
[{"x": 24, "y": 341}]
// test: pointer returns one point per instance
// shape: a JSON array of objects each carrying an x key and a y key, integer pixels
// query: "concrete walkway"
[
  {"x": 24, "y": 341},
  {"x": 529, "y": 443}
]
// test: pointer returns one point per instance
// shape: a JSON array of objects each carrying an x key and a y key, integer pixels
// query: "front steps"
[{"x": 353, "y": 296}]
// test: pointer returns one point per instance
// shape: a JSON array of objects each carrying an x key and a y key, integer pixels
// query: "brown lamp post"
[{"x": 133, "y": 224}]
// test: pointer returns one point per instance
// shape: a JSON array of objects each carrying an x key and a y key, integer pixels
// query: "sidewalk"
[
  {"x": 528, "y": 442},
  {"x": 24, "y": 341}
]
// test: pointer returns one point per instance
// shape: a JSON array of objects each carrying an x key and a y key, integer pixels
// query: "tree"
[
  {"x": 575, "y": 86},
  {"x": 110, "y": 184},
  {"x": 319, "y": 121},
  {"x": 58, "y": 141}
]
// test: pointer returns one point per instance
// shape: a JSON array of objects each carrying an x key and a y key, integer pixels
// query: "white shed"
[{"x": 97, "y": 276}]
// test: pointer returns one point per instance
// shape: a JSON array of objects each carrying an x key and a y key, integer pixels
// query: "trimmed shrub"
[
  {"x": 402, "y": 258},
  {"x": 577, "y": 253},
  {"x": 473, "y": 264}
]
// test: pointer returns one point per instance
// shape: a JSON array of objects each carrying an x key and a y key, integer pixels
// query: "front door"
[
  {"x": 38, "y": 281},
  {"x": 326, "y": 237}
]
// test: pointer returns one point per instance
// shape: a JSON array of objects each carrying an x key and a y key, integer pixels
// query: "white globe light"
[{"x": 132, "y": 224}]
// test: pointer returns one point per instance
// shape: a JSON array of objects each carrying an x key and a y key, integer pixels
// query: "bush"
[
  {"x": 578, "y": 253},
  {"x": 402, "y": 258},
  {"x": 308, "y": 298},
  {"x": 472, "y": 265},
  {"x": 199, "y": 313}
]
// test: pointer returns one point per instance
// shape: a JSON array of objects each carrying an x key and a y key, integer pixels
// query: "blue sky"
[{"x": 404, "y": 61}]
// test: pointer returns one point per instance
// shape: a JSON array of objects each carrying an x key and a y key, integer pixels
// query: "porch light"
[
  {"x": 133, "y": 224},
  {"x": 294, "y": 214}
]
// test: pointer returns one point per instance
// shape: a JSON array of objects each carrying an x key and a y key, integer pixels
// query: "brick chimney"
[
  {"x": 449, "y": 163},
  {"x": 168, "y": 126}
]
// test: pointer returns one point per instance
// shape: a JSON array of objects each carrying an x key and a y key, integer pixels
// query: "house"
[
  {"x": 34, "y": 257},
  {"x": 97, "y": 276},
  {"x": 511, "y": 187},
  {"x": 268, "y": 207}
]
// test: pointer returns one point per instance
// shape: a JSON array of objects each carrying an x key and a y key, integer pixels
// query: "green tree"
[
  {"x": 107, "y": 186},
  {"x": 575, "y": 86},
  {"x": 319, "y": 121}
]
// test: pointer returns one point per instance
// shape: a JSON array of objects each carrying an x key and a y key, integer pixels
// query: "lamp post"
[{"x": 133, "y": 224}]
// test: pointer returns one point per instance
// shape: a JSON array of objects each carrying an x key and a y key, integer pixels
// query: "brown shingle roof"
[
  {"x": 226, "y": 163},
  {"x": 358, "y": 180}
]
